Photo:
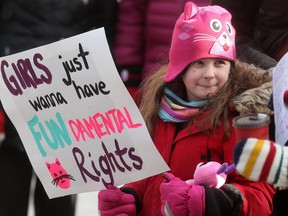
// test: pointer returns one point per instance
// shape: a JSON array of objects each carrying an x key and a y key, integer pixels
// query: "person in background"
[
  {"x": 25, "y": 25},
  {"x": 188, "y": 109},
  {"x": 261, "y": 39},
  {"x": 261, "y": 30},
  {"x": 143, "y": 37}
]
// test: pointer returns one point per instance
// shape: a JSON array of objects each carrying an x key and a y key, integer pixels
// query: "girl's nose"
[{"x": 209, "y": 73}]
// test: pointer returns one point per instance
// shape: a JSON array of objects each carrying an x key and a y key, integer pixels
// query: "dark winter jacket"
[
  {"x": 31, "y": 23},
  {"x": 261, "y": 26}
]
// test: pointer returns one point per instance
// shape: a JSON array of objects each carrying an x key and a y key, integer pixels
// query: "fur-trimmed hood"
[
  {"x": 247, "y": 91},
  {"x": 252, "y": 88}
]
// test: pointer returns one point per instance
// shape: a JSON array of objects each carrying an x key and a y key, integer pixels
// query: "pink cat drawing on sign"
[{"x": 59, "y": 174}]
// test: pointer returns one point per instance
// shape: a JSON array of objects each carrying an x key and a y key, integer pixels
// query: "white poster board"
[
  {"x": 280, "y": 85},
  {"x": 79, "y": 125}
]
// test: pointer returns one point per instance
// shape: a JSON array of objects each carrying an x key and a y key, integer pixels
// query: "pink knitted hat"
[{"x": 200, "y": 32}]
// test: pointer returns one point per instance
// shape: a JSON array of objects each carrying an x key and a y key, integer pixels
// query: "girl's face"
[{"x": 205, "y": 77}]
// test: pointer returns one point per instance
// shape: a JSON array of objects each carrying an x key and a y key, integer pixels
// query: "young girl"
[{"x": 188, "y": 110}]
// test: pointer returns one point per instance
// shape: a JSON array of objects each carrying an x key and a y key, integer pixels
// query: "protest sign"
[
  {"x": 280, "y": 85},
  {"x": 80, "y": 128}
]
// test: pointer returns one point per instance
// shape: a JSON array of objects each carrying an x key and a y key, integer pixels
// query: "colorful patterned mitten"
[{"x": 262, "y": 160}]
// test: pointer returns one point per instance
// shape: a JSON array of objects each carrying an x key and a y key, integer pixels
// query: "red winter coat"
[{"x": 189, "y": 150}]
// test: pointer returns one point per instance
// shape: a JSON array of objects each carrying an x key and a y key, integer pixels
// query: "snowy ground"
[{"x": 86, "y": 204}]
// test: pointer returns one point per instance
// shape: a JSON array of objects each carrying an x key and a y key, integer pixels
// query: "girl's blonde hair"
[{"x": 241, "y": 78}]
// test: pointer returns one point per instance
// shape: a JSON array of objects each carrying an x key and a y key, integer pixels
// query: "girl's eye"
[
  {"x": 198, "y": 63},
  {"x": 219, "y": 62}
]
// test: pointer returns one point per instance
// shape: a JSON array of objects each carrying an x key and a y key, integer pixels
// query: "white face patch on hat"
[{"x": 222, "y": 46}]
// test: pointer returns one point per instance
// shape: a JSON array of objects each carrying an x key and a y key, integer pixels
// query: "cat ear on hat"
[{"x": 190, "y": 10}]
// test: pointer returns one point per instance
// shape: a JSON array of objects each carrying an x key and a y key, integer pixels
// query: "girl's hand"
[{"x": 114, "y": 202}]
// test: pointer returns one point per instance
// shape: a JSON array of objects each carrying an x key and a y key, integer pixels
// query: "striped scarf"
[{"x": 174, "y": 109}]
